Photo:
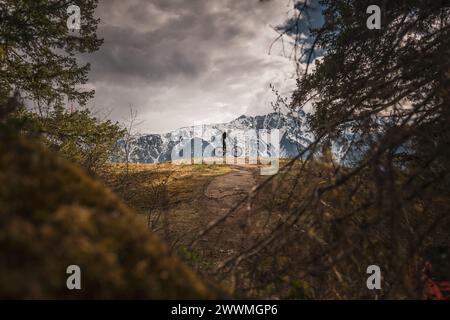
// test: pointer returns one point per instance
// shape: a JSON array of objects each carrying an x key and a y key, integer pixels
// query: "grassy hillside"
[
  {"x": 169, "y": 198},
  {"x": 272, "y": 246}
]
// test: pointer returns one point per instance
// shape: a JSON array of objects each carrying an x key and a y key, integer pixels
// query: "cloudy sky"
[{"x": 180, "y": 62}]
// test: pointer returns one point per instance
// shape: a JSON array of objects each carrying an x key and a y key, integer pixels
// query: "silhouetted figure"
[{"x": 224, "y": 144}]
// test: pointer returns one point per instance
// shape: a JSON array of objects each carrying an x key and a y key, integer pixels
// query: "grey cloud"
[{"x": 181, "y": 61}]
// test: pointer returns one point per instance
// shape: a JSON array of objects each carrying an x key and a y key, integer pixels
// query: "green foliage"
[
  {"x": 189, "y": 256},
  {"x": 81, "y": 137},
  {"x": 77, "y": 136},
  {"x": 37, "y": 51},
  {"x": 298, "y": 290},
  {"x": 38, "y": 63}
]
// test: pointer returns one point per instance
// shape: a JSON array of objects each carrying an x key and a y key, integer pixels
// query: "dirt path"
[
  {"x": 221, "y": 195},
  {"x": 226, "y": 189}
]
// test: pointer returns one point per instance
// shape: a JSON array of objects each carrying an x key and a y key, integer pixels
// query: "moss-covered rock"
[{"x": 52, "y": 215}]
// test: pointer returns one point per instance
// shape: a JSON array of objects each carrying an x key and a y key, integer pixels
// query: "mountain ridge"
[{"x": 294, "y": 137}]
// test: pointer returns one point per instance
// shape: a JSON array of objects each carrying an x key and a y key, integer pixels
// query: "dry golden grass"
[{"x": 169, "y": 197}]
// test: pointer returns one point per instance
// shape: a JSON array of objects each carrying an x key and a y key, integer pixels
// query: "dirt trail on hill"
[
  {"x": 221, "y": 194},
  {"x": 227, "y": 188}
]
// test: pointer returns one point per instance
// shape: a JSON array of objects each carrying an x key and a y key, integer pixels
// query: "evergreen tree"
[{"x": 37, "y": 50}]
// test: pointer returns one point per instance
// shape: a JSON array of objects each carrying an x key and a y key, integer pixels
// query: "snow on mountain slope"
[{"x": 151, "y": 148}]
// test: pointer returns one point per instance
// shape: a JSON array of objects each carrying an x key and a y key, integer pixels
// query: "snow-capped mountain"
[{"x": 293, "y": 136}]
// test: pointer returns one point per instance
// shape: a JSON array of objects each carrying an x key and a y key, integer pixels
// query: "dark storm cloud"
[
  {"x": 182, "y": 61},
  {"x": 144, "y": 57},
  {"x": 155, "y": 40}
]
